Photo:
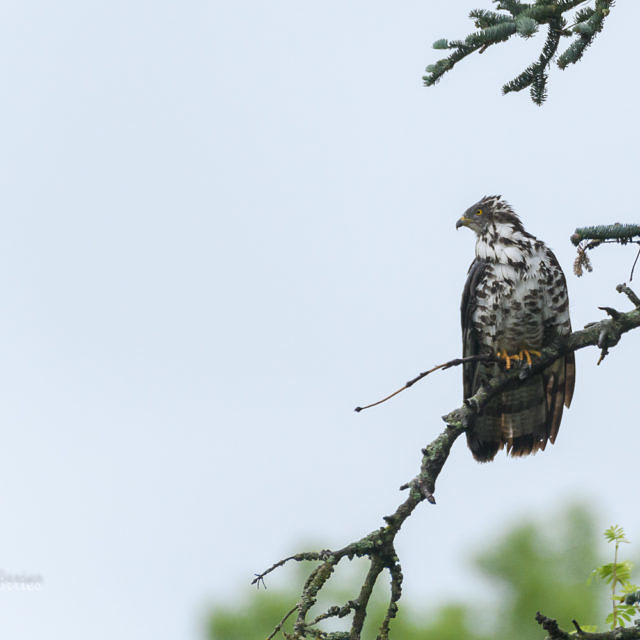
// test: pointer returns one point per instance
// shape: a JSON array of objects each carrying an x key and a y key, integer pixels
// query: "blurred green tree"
[
  {"x": 536, "y": 565},
  {"x": 544, "y": 566}
]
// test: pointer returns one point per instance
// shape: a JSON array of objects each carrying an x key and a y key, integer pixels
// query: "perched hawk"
[{"x": 514, "y": 303}]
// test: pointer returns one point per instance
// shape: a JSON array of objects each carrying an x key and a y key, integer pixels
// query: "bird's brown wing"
[
  {"x": 559, "y": 378},
  {"x": 484, "y": 433},
  {"x": 470, "y": 340}
]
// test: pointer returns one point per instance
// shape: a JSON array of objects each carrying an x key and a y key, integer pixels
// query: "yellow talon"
[
  {"x": 523, "y": 354},
  {"x": 507, "y": 358},
  {"x": 526, "y": 354}
]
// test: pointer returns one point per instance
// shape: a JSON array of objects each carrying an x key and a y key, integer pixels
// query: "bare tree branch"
[
  {"x": 378, "y": 545},
  {"x": 456, "y": 362},
  {"x": 555, "y": 633},
  {"x": 622, "y": 288}
]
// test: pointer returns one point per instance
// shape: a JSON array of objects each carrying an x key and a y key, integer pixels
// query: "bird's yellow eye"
[{"x": 479, "y": 212}]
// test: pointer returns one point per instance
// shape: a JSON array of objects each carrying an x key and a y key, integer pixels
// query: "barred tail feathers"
[{"x": 516, "y": 418}]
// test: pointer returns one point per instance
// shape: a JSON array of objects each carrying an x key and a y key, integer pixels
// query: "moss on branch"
[{"x": 556, "y": 633}]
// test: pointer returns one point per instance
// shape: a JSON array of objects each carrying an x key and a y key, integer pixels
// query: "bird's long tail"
[{"x": 516, "y": 418}]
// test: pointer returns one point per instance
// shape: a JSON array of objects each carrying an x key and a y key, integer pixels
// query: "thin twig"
[
  {"x": 634, "y": 265},
  {"x": 365, "y": 594},
  {"x": 279, "y": 625},
  {"x": 298, "y": 557},
  {"x": 446, "y": 365},
  {"x": 392, "y": 609},
  {"x": 335, "y": 611}
]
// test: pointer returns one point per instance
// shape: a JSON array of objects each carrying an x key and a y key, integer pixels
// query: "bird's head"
[{"x": 487, "y": 212}]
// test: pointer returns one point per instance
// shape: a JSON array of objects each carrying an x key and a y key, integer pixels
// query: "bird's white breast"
[{"x": 511, "y": 313}]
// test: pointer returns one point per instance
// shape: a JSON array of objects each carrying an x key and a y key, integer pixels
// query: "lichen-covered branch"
[
  {"x": 525, "y": 19},
  {"x": 378, "y": 545},
  {"x": 556, "y": 633}
]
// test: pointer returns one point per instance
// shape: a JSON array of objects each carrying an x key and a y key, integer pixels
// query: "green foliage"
[
  {"x": 260, "y": 614},
  {"x": 615, "y": 533},
  {"x": 542, "y": 567},
  {"x": 526, "y": 26},
  {"x": 524, "y": 19},
  {"x": 614, "y": 573},
  {"x": 534, "y": 566},
  {"x": 254, "y": 620},
  {"x": 588, "y": 23},
  {"x": 625, "y": 605}
]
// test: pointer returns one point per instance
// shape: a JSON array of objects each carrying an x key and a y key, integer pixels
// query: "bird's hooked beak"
[{"x": 463, "y": 222}]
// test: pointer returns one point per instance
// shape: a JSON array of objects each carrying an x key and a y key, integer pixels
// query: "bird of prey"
[{"x": 514, "y": 304}]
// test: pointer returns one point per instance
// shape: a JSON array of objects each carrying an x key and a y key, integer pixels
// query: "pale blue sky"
[{"x": 225, "y": 226}]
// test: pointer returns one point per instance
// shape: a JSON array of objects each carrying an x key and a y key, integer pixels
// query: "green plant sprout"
[{"x": 626, "y": 602}]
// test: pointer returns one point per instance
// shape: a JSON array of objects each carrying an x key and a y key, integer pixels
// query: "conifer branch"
[
  {"x": 586, "y": 238},
  {"x": 615, "y": 231},
  {"x": 525, "y": 19},
  {"x": 535, "y": 76}
]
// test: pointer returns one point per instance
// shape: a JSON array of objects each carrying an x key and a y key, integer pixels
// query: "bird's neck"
[{"x": 504, "y": 244}]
